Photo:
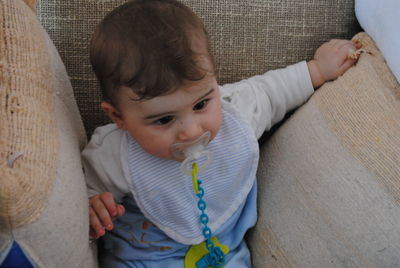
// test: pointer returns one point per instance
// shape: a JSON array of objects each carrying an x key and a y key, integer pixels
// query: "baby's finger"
[
  {"x": 342, "y": 43},
  {"x": 346, "y": 65},
  {"x": 96, "y": 227},
  {"x": 357, "y": 43},
  {"x": 92, "y": 233},
  {"x": 346, "y": 49},
  {"x": 102, "y": 214},
  {"x": 109, "y": 203},
  {"x": 121, "y": 210}
]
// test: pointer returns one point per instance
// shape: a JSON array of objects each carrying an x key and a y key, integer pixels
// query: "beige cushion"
[
  {"x": 329, "y": 178},
  {"x": 31, "y": 3},
  {"x": 43, "y": 200}
]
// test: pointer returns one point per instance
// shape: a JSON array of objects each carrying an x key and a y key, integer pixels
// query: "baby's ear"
[{"x": 113, "y": 113}]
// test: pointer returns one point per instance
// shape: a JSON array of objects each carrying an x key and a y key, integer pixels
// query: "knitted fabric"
[
  {"x": 330, "y": 193},
  {"x": 28, "y": 137},
  {"x": 43, "y": 199}
]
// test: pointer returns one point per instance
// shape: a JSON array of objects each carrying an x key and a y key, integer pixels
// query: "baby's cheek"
[
  {"x": 216, "y": 125},
  {"x": 159, "y": 148}
]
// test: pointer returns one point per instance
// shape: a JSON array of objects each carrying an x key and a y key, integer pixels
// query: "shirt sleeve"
[
  {"x": 102, "y": 165},
  {"x": 265, "y": 99}
]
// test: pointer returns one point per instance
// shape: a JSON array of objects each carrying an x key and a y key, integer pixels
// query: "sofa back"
[{"x": 248, "y": 37}]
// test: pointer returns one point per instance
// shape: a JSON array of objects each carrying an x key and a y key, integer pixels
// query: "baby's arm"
[
  {"x": 102, "y": 211},
  {"x": 263, "y": 100},
  {"x": 104, "y": 178},
  {"x": 331, "y": 60}
]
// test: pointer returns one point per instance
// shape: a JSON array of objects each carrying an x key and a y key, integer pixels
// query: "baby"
[{"x": 157, "y": 76}]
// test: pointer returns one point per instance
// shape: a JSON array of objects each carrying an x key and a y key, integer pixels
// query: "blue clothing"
[
  {"x": 238, "y": 258},
  {"x": 16, "y": 258},
  {"x": 135, "y": 240}
]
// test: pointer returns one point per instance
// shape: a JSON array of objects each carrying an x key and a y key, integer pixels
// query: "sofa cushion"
[
  {"x": 43, "y": 200},
  {"x": 329, "y": 178},
  {"x": 31, "y": 3},
  {"x": 28, "y": 129},
  {"x": 249, "y": 37}
]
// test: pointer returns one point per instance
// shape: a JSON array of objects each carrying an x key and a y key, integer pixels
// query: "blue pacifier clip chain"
[{"x": 216, "y": 257}]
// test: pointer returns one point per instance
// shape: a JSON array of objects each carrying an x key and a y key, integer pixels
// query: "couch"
[{"x": 329, "y": 175}]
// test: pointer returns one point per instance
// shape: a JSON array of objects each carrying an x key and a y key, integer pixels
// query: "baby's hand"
[
  {"x": 331, "y": 60},
  {"x": 102, "y": 211}
]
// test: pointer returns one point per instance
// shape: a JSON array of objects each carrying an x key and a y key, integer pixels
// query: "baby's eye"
[
  {"x": 164, "y": 120},
  {"x": 201, "y": 105}
]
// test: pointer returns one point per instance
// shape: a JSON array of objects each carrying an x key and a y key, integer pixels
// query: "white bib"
[{"x": 166, "y": 197}]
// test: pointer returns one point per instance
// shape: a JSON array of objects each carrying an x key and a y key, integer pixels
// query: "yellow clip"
[
  {"x": 196, "y": 252},
  {"x": 195, "y": 170}
]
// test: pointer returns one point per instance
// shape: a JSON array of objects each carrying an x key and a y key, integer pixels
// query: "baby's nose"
[{"x": 190, "y": 130}]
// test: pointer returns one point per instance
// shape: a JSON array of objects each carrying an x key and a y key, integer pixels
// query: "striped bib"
[{"x": 166, "y": 197}]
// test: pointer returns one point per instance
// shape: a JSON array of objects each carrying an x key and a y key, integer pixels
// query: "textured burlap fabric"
[
  {"x": 249, "y": 37},
  {"x": 43, "y": 199},
  {"x": 329, "y": 178}
]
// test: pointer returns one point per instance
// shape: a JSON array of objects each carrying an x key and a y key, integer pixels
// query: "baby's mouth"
[
  {"x": 192, "y": 151},
  {"x": 183, "y": 150}
]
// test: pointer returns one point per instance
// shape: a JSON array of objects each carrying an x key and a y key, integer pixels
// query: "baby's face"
[{"x": 181, "y": 116}]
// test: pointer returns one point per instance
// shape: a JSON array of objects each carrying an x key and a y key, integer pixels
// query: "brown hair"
[{"x": 146, "y": 46}]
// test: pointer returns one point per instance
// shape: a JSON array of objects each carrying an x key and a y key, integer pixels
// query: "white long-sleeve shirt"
[{"x": 263, "y": 100}]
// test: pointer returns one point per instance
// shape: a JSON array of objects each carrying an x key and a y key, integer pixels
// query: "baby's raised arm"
[
  {"x": 102, "y": 211},
  {"x": 331, "y": 60}
]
